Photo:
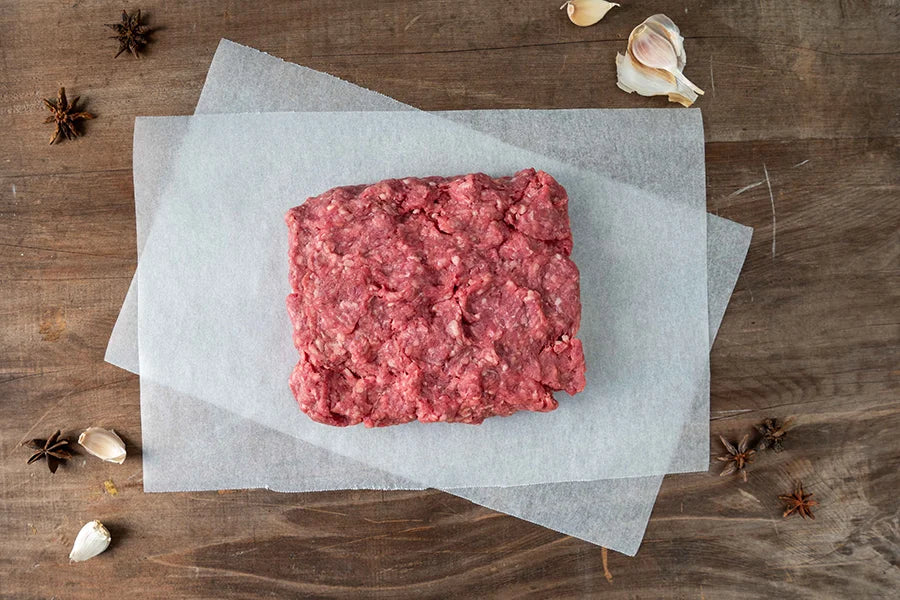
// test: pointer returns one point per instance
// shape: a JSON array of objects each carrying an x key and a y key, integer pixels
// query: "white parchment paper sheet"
[
  {"x": 608, "y": 512},
  {"x": 182, "y": 435},
  {"x": 212, "y": 321}
]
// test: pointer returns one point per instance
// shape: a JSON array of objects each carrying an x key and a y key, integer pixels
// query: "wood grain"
[{"x": 802, "y": 93}]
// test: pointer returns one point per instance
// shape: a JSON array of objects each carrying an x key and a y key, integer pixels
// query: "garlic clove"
[
  {"x": 587, "y": 12},
  {"x": 652, "y": 48},
  {"x": 665, "y": 27},
  {"x": 635, "y": 77},
  {"x": 653, "y": 61},
  {"x": 93, "y": 539},
  {"x": 104, "y": 444}
]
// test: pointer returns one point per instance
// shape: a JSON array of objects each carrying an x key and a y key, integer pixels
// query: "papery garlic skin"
[
  {"x": 104, "y": 444},
  {"x": 653, "y": 62},
  {"x": 93, "y": 539},
  {"x": 585, "y": 13},
  {"x": 635, "y": 77}
]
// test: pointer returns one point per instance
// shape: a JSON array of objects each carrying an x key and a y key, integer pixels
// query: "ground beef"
[{"x": 434, "y": 299}]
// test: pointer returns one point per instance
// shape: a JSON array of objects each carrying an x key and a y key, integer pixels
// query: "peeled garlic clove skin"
[
  {"x": 585, "y": 13},
  {"x": 93, "y": 539},
  {"x": 635, "y": 77},
  {"x": 104, "y": 444}
]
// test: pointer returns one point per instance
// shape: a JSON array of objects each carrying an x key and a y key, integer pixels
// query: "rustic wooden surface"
[{"x": 805, "y": 93}]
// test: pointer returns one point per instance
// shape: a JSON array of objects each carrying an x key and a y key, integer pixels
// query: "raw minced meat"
[{"x": 437, "y": 299}]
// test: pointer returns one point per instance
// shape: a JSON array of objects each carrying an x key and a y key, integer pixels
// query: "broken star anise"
[
  {"x": 131, "y": 33},
  {"x": 55, "y": 450},
  {"x": 65, "y": 116},
  {"x": 799, "y": 503},
  {"x": 773, "y": 434},
  {"x": 737, "y": 458}
]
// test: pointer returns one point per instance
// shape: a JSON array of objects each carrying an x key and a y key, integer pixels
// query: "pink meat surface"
[{"x": 437, "y": 299}]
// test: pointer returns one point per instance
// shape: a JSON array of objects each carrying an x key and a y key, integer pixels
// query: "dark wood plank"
[{"x": 798, "y": 102}]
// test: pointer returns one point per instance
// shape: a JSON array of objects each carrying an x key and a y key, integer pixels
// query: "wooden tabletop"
[{"x": 801, "y": 117}]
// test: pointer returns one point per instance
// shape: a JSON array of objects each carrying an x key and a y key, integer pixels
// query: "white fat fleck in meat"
[
  {"x": 454, "y": 260},
  {"x": 453, "y": 329}
]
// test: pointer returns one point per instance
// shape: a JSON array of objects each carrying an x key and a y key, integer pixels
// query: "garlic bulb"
[
  {"x": 587, "y": 12},
  {"x": 653, "y": 63},
  {"x": 104, "y": 444},
  {"x": 93, "y": 539}
]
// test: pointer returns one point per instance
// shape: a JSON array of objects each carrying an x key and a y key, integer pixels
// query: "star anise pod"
[
  {"x": 799, "y": 503},
  {"x": 65, "y": 116},
  {"x": 773, "y": 434},
  {"x": 55, "y": 450},
  {"x": 737, "y": 458},
  {"x": 131, "y": 33}
]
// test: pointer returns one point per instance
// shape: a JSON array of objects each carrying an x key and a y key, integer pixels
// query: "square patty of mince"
[{"x": 437, "y": 299}]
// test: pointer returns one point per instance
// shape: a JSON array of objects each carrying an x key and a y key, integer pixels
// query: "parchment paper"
[
  {"x": 212, "y": 321},
  {"x": 613, "y": 513}
]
